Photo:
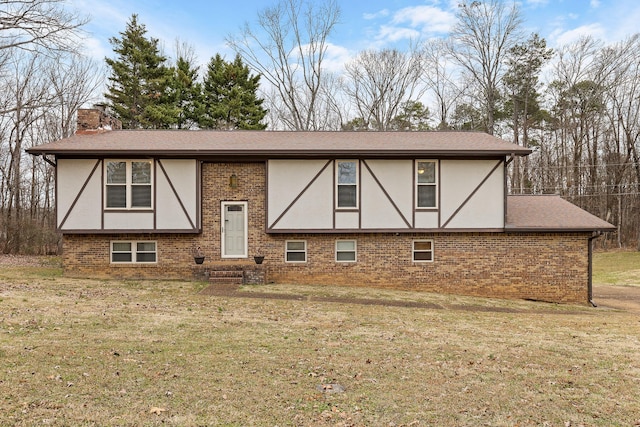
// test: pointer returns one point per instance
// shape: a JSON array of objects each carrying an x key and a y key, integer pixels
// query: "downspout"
[
  {"x": 594, "y": 236},
  {"x": 506, "y": 170}
]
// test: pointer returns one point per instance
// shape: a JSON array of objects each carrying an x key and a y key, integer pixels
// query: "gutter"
[
  {"x": 594, "y": 236},
  {"x": 43, "y": 155}
]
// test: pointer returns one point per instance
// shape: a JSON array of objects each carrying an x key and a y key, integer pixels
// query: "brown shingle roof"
[
  {"x": 550, "y": 213},
  {"x": 266, "y": 144}
]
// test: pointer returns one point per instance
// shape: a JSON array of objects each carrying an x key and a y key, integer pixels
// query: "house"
[{"x": 408, "y": 210}]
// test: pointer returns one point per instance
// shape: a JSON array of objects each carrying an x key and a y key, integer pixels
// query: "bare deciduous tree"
[
  {"x": 39, "y": 25},
  {"x": 441, "y": 80},
  {"x": 288, "y": 48},
  {"x": 378, "y": 83},
  {"x": 480, "y": 40}
]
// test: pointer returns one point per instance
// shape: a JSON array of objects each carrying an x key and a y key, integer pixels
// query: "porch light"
[{"x": 233, "y": 181}]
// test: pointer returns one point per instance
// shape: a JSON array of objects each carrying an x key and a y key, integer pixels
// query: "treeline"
[
  {"x": 576, "y": 106},
  {"x": 43, "y": 81}
]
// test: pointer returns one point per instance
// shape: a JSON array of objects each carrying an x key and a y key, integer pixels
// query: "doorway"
[{"x": 234, "y": 230}]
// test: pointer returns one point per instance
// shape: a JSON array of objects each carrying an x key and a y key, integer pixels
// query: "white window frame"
[
  {"x": 129, "y": 184},
  {"x": 338, "y": 184},
  {"x": 134, "y": 252},
  {"x": 355, "y": 250},
  {"x": 418, "y": 184},
  {"x": 287, "y": 251},
  {"x": 414, "y": 251}
]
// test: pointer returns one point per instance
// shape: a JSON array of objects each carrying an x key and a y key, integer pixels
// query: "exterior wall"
[
  {"x": 80, "y": 198},
  {"x": 301, "y": 196},
  {"x": 549, "y": 267}
]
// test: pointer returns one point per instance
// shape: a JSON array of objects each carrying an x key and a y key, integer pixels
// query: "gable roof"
[
  {"x": 281, "y": 144},
  {"x": 550, "y": 213}
]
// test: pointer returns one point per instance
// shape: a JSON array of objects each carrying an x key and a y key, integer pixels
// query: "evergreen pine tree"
[
  {"x": 186, "y": 93},
  {"x": 229, "y": 97},
  {"x": 139, "y": 79}
]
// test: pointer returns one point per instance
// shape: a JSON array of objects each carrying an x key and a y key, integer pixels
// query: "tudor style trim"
[
  {"x": 73, "y": 204},
  {"x": 384, "y": 190},
  {"x": 175, "y": 193},
  {"x": 284, "y": 212},
  {"x": 475, "y": 190}
]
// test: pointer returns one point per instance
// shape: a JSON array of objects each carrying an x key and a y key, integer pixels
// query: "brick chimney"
[{"x": 96, "y": 120}]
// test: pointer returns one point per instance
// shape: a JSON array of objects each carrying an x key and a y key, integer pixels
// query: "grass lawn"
[
  {"x": 617, "y": 268},
  {"x": 129, "y": 353}
]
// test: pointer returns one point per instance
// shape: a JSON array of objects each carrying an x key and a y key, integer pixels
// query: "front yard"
[{"x": 90, "y": 352}]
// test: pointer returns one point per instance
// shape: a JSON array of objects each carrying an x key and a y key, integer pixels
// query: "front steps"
[{"x": 230, "y": 275}]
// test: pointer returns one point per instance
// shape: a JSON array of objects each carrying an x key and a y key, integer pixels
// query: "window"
[
  {"x": 133, "y": 252},
  {"x": 296, "y": 251},
  {"x": 347, "y": 184},
  {"x": 345, "y": 250},
  {"x": 426, "y": 183},
  {"x": 423, "y": 250},
  {"x": 128, "y": 184}
]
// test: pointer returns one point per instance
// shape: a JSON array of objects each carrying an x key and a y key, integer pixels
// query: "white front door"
[{"x": 234, "y": 229}]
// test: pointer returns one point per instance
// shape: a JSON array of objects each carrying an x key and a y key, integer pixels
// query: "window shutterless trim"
[
  {"x": 415, "y": 251},
  {"x": 128, "y": 184},
  {"x": 133, "y": 251},
  {"x": 435, "y": 184},
  {"x": 288, "y": 251},
  {"x": 345, "y": 251},
  {"x": 338, "y": 184}
]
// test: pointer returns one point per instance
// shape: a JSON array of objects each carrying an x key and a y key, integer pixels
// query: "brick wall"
[
  {"x": 91, "y": 119},
  {"x": 549, "y": 267}
]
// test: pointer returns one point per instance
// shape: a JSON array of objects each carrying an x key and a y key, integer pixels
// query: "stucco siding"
[
  {"x": 387, "y": 194},
  {"x": 76, "y": 184},
  {"x": 472, "y": 194},
  {"x": 176, "y": 210}
]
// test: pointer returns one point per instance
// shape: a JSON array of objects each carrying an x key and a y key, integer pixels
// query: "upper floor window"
[
  {"x": 426, "y": 184},
  {"x": 128, "y": 184},
  {"x": 347, "y": 184}
]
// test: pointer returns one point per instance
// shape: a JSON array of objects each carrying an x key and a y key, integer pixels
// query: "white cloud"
[
  {"x": 566, "y": 37},
  {"x": 594, "y": 4},
  {"x": 380, "y": 14},
  {"x": 412, "y": 23},
  {"x": 336, "y": 57},
  {"x": 95, "y": 48},
  {"x": 394, "y": 34},
  {"x": 429, "y": 19}
]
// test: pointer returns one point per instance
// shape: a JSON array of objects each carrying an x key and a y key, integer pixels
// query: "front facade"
[{"x": 419, "y": 211}]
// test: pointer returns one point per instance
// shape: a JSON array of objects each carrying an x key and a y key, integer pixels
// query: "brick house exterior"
[{"x": 471, "y": 243}]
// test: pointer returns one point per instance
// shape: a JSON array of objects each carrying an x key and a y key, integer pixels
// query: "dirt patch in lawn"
[{"x": 625, "y": 298}]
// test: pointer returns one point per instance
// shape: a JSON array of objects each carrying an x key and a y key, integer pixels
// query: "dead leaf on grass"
[{"x": 157, "y": 411}]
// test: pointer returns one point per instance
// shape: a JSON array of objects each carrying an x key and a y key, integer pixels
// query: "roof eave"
[
  {"x": 266, "y": 154},
  {"x": 533, "y": 229}
]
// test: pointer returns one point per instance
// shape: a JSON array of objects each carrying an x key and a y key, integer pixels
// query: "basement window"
[
  {"x": 423, "y": 251},
  {"x": 345, "y": 250},
  {"x": 295, "y": 251},
  {"x": 135, "y": 252}
]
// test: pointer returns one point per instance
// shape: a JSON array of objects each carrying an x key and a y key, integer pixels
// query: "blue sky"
[{"x": 204, "y": 24}]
